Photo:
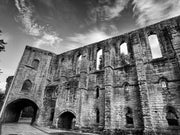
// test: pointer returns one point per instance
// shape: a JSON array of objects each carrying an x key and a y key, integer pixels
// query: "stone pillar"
[
  {"x": 82, "y": 90},
  {"x": 108, "y": 83},
  {"x": 140, "y": 56},
  {"x": 175, "y": 38}
]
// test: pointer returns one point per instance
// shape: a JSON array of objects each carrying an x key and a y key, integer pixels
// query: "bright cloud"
[
  {"x": 107, "y": 10},
  {"x": 119, "y": 6},
  {"x": 48, "y": 39},
  {"x": 91, "y": 36},
  {"x": 152, "y": 11},
  {"x": 42, "y": 36}
]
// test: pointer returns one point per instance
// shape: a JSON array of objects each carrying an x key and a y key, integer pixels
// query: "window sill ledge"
[
  {"x": 31, "y": 67},
  {"x": 98, "y": 71},
  {"x": 129, "y": 126}
]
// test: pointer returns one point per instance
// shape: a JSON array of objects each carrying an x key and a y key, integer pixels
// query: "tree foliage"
[{"x": 2, "y": 43}]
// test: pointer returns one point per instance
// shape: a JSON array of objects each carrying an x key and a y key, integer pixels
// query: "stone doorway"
[
  {"x": 66, "y": 120},
  {"x": 20, "y": 108}
]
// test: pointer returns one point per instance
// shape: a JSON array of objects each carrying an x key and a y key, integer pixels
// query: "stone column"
[
  {"x": 108, "y": 83},
  {"x": 82, "y": 89},
  {"x": 175, "y": 38},
  {"x": 140, "y": 55}
]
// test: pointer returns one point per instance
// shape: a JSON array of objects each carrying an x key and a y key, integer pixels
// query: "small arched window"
[
  {"x": 154, "y": 46},
  {"x": 78, "y": 64},
  {"x": 97, "y": 116},
  {"x": 123, "y": 48},
  {"x": 126, "y": 91},
  {"x": 164, "y": 84},
  {"x": 27, "y": 85},
  {"x": 62, "y": 61},
  {"x": 129, "y": 116},
  {"x": 97, "y": 92},
  {"x": 99, "y": 60},
  {"x": 171, "y": 116},
  {"x": 35, "y": 64}
]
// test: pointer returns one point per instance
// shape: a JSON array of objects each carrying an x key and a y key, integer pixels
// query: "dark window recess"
[
  {"x": 35, "y": 64},
  {"x": 97, "y": 116},
  {"x": 27, "y": 85},
  {"x": 52, "y": 115},
  {"x": 172, "y": 117},
  {"x": 129, "y": 117},
  {"x": 97, "y": 92}
]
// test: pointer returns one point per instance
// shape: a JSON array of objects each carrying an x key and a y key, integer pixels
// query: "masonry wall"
[
  {"x": 150, "y": 71},
  {"x": 132, "y": 81},
  {"x": 36, "y": 76}
]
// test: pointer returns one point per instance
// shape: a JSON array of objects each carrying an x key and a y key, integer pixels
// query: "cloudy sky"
[{"x": 61, "y": 25}]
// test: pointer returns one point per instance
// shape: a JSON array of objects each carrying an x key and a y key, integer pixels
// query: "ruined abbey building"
[{"x": 125, "y": 84}]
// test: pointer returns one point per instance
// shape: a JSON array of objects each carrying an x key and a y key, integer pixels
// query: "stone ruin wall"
[{"x": 140, "y": 71}]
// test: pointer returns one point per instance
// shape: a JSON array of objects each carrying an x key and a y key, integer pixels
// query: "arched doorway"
[
  {"x": 20, "y": 108},
  {"x": 66, "y": 120}
]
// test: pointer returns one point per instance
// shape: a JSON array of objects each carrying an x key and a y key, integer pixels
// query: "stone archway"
[
  {"x": 19, "y": 107},
  {"x": 66, "y": 120}
]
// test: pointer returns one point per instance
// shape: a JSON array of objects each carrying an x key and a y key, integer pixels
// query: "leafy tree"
[{"x": 2, "y": 43}]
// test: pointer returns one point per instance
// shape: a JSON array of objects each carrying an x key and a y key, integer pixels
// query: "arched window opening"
[
  {"x": 35, "y": 64},
  {"x": 27, "y": 85},
  {"x": 99, "y": 61},
  {"x": 62, "y": 60},
  {"x": 78, "y": 64},
  {"x": 129, "y": 116},
  {"x": 164, "y": 84},
  {"x": 171, "y": 116},
  {"x": 52, "y": 115},
  {"x": 154, "y": 46},
  {"x": 97, "y": 92},
  {"x": 97, "y": 116},
  {"x": 126, "y": 91},
  {"x": 123, "y": 48}
]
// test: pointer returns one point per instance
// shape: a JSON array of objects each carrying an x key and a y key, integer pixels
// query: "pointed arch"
[
  {"x": 35, "y": 64},
  {"x": 123, "y": 48},
  {"x": 27, "y": 85},
  {"x": 97, "y": 115},
  {"x": 99, "y": 60},
  {"x": 97, "y": 91},
  {"x": 78, "y": 63}
]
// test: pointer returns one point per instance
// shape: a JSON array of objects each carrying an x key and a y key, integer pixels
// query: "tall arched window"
[
  {"x": 27, "y": 85},
  {"x": 97, "y": 92},
  {"x": 35, "y": 64},
  {"x": 52, "y": 115},
  {"x": 99, "y": 63},
  {"x": 78, "y": 64},
  {"x": 97, "y": 116},
  {"x": 129, "y": 116},
  {"x": 154, "y": 46},
  {"x": 126, "y": 91},
  {"x": 123, "y": 48},
  {"x": 171, "y": 116}
]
